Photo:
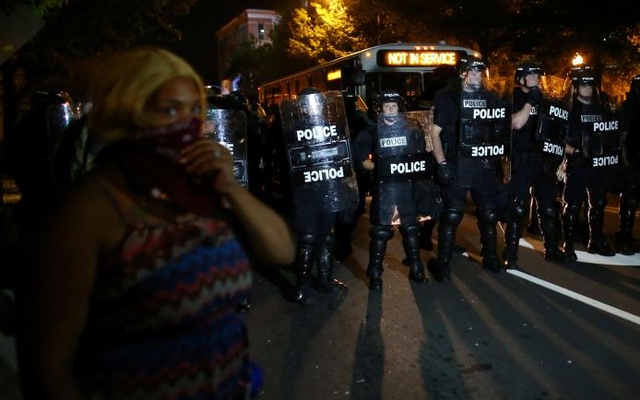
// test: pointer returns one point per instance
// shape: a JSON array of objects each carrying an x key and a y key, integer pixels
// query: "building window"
[{"x": 261, "y": 32}]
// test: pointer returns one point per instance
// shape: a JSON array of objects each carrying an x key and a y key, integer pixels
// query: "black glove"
[
  {"x": 533, "y": 96},
  {"x": 444, "y": 173}
]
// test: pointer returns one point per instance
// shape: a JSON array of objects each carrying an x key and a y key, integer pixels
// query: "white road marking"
[
  {"x": 577, "y": 296},
  {"x": 585, "y": 257}
]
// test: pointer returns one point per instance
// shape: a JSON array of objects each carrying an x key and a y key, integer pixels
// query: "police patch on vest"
[
  {"x": 474, "y": 103},
  {"x": 591, "y": 118},
  {"x": 403, "y": 167},
  {"x": 393, "y": 141}
]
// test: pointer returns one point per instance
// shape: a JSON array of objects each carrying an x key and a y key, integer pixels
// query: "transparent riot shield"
[
  {"x": 316, "y": 137},
  {"x": 401, "y": 162},
  {"x": 551, "y": 130},
  {"x": 604, "y": 143},
  {"x": 229, "y": 128},
  {"x": 484, "y": 135},
  {"x": 485, "y": 128}
]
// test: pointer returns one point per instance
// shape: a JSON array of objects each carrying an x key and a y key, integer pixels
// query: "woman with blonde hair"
[{"x": 131, "y": 289}]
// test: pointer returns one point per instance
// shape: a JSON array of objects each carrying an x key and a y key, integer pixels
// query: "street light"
[{"x": 577, "y": 60}]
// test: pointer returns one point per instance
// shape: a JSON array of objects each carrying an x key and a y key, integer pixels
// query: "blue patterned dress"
[{"x": 163, "y": 322}]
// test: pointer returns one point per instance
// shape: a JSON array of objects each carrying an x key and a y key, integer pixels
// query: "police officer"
[
  {"x": 470, "y": 133},
  {"x": 323, "y": 185},
  {"x": 357, "y": 120},
  {"x": 593, "y": 152},
  {"x": 399, "y": 163},
  {"x": 630, "y": 194},
  {"x": 538, "y": 126}
]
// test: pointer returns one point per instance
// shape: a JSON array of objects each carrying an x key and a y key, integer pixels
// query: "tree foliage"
[
  {"x": 79, "y": 30},
  {"x": 39, "y": 7},
  {"x": 506, "y": 32},
  {"x": 323, "y": 33}
]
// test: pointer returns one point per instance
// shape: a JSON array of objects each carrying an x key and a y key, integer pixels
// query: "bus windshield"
[{"x": 408, "y": 84}]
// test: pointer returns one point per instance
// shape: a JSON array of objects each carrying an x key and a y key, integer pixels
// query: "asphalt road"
[{"x": 543, "y": 332}]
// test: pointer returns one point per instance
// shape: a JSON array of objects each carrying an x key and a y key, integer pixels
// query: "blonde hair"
[{"x": 122, "y": 84}]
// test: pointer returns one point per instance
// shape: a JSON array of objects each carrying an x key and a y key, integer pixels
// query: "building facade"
[{"x": 253, "y": 25}]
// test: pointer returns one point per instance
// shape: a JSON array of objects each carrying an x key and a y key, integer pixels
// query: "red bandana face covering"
[{"x": 151, "y": 161}]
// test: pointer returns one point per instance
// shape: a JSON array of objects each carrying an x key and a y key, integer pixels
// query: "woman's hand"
[{"x": 207, "y": 157}]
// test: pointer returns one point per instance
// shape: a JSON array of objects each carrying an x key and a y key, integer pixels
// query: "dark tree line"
[{"x": 504, "y": 31}]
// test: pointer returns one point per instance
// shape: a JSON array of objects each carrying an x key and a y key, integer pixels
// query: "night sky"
[{"x": 198, "y": 44}]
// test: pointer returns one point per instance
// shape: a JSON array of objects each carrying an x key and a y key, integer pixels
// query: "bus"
[{"x": 406, "y": 67}]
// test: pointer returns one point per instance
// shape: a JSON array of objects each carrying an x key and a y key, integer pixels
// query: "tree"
[
  {"x": 38, "y": 6},
  {"x": 323, "y": 33},
  {"x": 80, "y": 30}
]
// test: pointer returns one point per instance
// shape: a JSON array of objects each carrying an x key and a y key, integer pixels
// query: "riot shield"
[
  {"x": 316, "y": 137},
  {"x": 484, "y": 135},
  {"x": 229, "y": 128},
  {"x": 603, "y": 143},
  {"x": 484, "y": 125},
  {"x": 551, "y": 129},
  {"x": 402, "y": 162}
]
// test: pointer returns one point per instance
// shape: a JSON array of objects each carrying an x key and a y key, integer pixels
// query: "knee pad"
[
  {"x": 309, "y": 239},
  {"x": 571, "y": 209},
  {"x": 452, "y": 214},
  {"x": 628, "y": 203},
  {"x": 517, "y": 209},
  {"x": 488, "y": 215},
  {"x": 547, "y": 210},
  {"x": 599, "y": 203},
  {"x": 381, "y": 232},
  {"x": 412, "y": 230}
]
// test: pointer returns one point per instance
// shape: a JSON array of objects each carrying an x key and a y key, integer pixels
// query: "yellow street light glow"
[{"x": 577, "y": 59}]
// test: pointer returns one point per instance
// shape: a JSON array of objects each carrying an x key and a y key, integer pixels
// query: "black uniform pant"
[
  {"x": 532, "y": 176},
  {"x": 581, "y": 177},
  {"x": 484, "y": 193}
]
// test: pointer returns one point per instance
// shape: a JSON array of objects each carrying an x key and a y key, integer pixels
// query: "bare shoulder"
[{"x": 87, "y": 210}]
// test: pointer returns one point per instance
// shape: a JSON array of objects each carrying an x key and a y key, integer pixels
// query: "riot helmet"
[
  {"x": 583, "y": 77},
  {"x": 525, "y": 69},
  {"x": 471, "y": 63},
  {"x": 389, "y": 96}
]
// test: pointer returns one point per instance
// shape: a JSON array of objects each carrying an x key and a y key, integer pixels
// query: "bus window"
[{"x": 408, "y": 84}]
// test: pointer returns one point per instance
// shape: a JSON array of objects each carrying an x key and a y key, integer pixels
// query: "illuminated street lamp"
[{"x": 577, "y": 60}]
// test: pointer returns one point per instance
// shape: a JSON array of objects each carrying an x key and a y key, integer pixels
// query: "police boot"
[
  {"x": 325, "y": 281},
  {"x": 377, "y": 249},
  {"x": 569, "y": 221},
  {"x": 597, "y": 243},
  {"x": 489, "y": 241},
  {"x": 624, "y": 238},
  {"x": 304, "y": 293},
  {"x": 512, "y": 242},
  {"x": 425, "y": 235},
  {"x": 411, "y": 249},
  {"x": 551, "y": 236},
  {"x": 439, "y": 268}
]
